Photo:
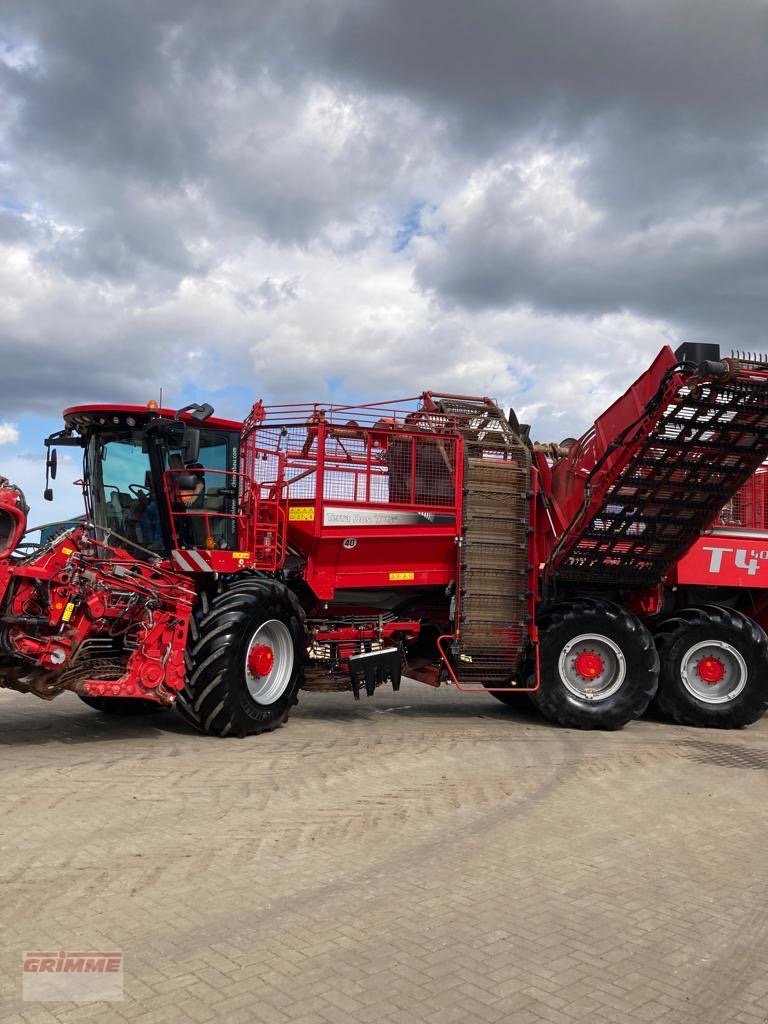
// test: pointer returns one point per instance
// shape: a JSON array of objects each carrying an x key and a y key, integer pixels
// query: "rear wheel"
[
  {"x": 599, "y": 667},
  {"x": 245, "y": 660},
  {"x": 714, "y": 668}
]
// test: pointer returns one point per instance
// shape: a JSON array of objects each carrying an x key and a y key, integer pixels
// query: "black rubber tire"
[
  {"x": 216, "y": 699},
  {"x": 125, "y": 707},
  {"x": 674, "y": 637},
  {"x": 562, "y": 624}
]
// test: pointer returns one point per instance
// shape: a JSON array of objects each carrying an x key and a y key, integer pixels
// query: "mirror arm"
[{"x": 196, "y": 411}]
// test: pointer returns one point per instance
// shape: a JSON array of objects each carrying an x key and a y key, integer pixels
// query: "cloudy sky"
[{"x": 366, "y": 198}]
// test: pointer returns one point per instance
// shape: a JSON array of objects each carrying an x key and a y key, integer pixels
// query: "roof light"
[{"x": 152, "y": 404}]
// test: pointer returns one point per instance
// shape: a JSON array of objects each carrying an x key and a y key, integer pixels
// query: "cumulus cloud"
[
  {"x": 9, "y": 434},
  {"x": 371, "y": 197}
]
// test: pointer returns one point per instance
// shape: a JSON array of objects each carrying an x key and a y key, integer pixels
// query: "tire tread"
[
  {"x": 554, "y": 701},
  {"x": 678, "y": 704},
  {"x": 208, "y": 701}
]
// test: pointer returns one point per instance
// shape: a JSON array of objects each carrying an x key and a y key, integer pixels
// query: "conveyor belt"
[
  {"x": 492, "y": 629},
  {"x": 670, "y": 481}
]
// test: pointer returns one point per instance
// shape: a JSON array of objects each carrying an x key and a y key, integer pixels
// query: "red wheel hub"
[
  {"x": 711, "y": 671},
  {"x": 589, "y": 665},
  {"x": 260, "y": 660}
]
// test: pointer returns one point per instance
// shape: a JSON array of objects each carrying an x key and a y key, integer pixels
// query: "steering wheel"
[{"x": 139, "y": 490}]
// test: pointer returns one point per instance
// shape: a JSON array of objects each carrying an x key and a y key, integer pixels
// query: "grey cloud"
[
  {"x": 662, "y": 102},
  {"x": 268, "y": 295},
  {"x": 552, "y": 66},
  {"x": 205, "y": 105},
  {"x": 705, "y": 273},
  {"x": 44, "y": 380},
  {"x": 102, "y": 94},
  {"x": 14, "y": 228},
  {"x": 124, "y": 366},
  {"x": 125, "y": 249}
]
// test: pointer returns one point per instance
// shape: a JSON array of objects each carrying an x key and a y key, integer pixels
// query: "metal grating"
[
  {"x": 349, "y": 462},
  {"x": 748, "y": 509},
  {"x": 704, "y": 447}
]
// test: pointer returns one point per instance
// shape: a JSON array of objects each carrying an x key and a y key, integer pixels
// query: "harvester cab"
[{"x": 139, "y": 467}]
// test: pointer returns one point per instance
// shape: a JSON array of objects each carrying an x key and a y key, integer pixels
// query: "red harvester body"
[{"x": 224, "y": 568}]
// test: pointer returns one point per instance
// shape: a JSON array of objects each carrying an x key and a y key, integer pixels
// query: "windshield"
[{"x": 123, "y": 494}]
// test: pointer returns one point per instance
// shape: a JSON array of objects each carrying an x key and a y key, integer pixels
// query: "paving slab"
[{"x": 418, "y": 856}]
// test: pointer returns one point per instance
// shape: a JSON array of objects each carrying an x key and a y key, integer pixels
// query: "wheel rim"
[
  {"x": 269, "y": 662},
  {"x": 713, "y": 672},
  {"x": 592, "y": 667}
]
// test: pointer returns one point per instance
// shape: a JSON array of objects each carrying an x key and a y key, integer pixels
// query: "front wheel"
[
  {"x": 599, "y": 667},
  {"x": 714, "y": 668},
  {"x": 245, "y": 657}
]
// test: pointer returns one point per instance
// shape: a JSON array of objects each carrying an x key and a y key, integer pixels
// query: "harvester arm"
[{"x": 85, "y": 615}]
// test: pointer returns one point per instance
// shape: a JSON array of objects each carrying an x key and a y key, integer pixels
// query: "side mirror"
[
  {"x": 202, "y": 412},
  {"x": 191, "y": 444},
  {"x": 51, "y": 464},
  {"x": 197, "y": 412},
  {"x": 69, "y": 440}
]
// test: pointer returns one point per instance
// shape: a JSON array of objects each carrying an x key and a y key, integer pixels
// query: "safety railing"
[
  {"x": 217, "y": 510},
  {"x": 406, "y": 465}
]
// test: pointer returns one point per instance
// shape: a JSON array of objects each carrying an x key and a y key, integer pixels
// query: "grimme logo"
[{"x": 75, "y": 976}]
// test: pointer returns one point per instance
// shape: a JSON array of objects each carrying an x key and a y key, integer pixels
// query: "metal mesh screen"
[
  {"x": 748, "y": 508},
  {"x": 354, "y": 463},
  {"x": 705, "y": 445}
]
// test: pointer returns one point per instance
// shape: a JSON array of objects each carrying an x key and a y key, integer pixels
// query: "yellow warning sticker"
[
  {"x": 66, "y": 615},
  {"x": 301, "y": 513},
  {"x": 402, "y": 576},
  {"x": 67, "y": 551},
  {"x": 244, "y": 555}
]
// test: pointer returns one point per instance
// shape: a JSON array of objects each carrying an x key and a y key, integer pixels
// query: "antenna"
[{"x": 161, "y": 396}]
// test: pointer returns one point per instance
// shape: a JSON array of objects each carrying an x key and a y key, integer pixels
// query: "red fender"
[{"x": 13, "y": 517}]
